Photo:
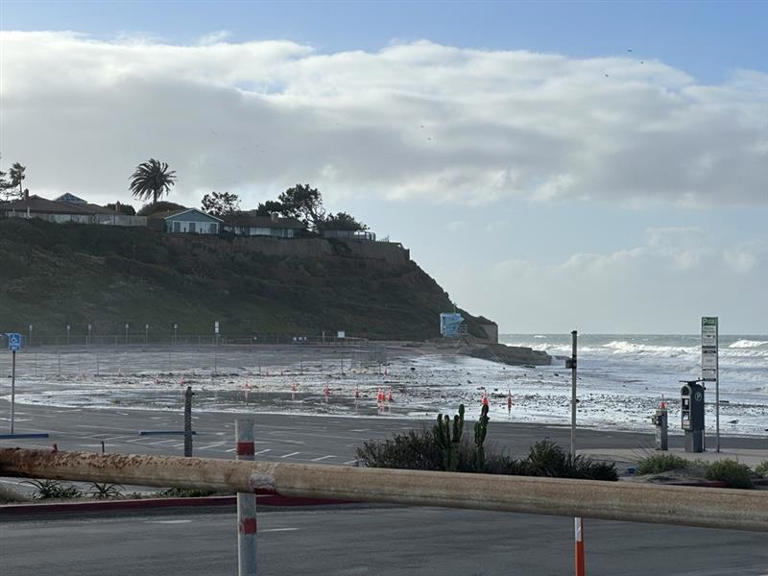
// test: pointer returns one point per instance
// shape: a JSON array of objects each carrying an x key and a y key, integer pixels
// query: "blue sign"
[{"x": 14, "y": 341}]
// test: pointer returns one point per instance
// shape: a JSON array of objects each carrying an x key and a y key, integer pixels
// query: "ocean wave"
[
  {"x": 624, "y": 347},
  {"x": 748, "y": 344}
]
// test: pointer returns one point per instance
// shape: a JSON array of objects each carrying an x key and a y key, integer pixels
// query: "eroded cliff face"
[{"x": 57, "y": 275}]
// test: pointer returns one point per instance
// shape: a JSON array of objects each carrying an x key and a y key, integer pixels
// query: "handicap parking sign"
[{"x": 14, "y": 341}]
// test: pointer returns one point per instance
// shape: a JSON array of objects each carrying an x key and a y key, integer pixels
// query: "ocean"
[
  {"x": 622, "y": 379},
  {"x": 624, "y": 371}
]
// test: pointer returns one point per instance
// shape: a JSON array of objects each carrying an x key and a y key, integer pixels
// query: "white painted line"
[
  {"x": 361, "y": 430},
  {"x": 230, "y": 450},
  {"x": 349, "y": 462},
  {"x": 262, "y": 451},
  {"x": 278, "y": 530},
  {"x": 212, "y": 445},
  {"x": 169, "y": 521},
  {"x": 322, "y": 458},
  {"x": 178, "y": 445},
  {"x": 289, "y": 455},
  {"x": 160, "y": 442}
]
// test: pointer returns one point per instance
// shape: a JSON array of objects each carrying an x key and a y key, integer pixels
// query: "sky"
[{"x": 595, "y": 166}]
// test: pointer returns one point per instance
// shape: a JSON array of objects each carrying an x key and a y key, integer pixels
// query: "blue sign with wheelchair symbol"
[{"x": 14, "y": 341}]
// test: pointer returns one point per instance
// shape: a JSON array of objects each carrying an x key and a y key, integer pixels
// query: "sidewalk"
[{"x": 748, "y": 456}]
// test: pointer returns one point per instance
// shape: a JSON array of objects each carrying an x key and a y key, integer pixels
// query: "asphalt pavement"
[{"x": 371, "y": 541}]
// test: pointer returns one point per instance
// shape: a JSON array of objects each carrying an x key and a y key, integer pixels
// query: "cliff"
[{"x": 54, "y": 275}]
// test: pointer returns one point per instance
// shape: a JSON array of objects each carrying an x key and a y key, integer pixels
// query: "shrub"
[
  {"x": 413, "y": 451},
  {"x": 186, "y": 493},
  {"x": 658, "y": 463},
  {"x": 49, "y": 489},
  {"x": 105, "y": 490},
  {"x": 734, "y": 474},
  {"x": 762, "y": 469},
  {"x": 421, "y": 451},
  {"x": 546, "y": 458}
]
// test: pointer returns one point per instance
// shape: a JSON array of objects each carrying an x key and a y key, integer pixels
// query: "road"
[{"x": 368, "y": 541}]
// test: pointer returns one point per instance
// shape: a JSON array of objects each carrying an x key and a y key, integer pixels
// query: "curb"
[{"x": 271, "y": 500}]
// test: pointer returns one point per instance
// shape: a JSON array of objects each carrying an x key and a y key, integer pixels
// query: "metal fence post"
[
  {"x": 246, "y": 505},
  {"x": 188, "y": 421}
]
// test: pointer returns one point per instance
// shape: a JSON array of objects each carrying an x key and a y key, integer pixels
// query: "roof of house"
[
  {"x": 180, "y": 212},
  {"x": 43, "y": 206},
  {"x": 250, "y": 220},
  {"x": 70, "y": 199}
]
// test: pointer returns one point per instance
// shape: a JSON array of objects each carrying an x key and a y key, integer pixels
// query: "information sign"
[{"x": 14, "y": 341}]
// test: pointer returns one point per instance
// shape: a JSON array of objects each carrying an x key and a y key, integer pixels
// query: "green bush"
[
  {"x": 421, "y": 451},
  {"x": 53, "y": 489},
  {"x": 658, "y": 463},
  {"x": 105, "y": 490},
  {"x": 186, "y": 493},
  {"x": 412, "y": 451},
  {"x": 734, "y": 474},
  {"x": 762, "y": 469}
]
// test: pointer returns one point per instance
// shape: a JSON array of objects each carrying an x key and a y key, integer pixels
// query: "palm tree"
[
  {"x": 152, "y": 179},
  {"x": 16, "y": 174}
]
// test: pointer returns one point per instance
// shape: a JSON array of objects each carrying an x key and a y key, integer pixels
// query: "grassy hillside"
[{"x": 53, "y": 275}]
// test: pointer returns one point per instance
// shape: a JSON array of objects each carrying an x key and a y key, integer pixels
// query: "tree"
[
  {"x": 122, "y": 208},
  {"x": 162, "y": 207},
  {"x": 221, "y": 204},
  {"x": 305, "y": 204},
  {"x": 17, "y": 177},
  {"x": 268, "y": 207},
  {"x": 343, "y": 221},
  {"x": 152, "y": 179},
  {"x": 5, "y": 186}
]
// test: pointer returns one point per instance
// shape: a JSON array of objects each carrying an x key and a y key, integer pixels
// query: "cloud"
[
  {"x": 658, "y": 287},
  {"x": 417, "y": 121}
]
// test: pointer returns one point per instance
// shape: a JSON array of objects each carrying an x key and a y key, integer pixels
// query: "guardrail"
[{"x": 684, "y": 506}]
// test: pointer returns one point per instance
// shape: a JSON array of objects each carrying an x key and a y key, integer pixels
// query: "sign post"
[
  {"x": 14, "y": 345},
  {"x": 710, "y": 368}
]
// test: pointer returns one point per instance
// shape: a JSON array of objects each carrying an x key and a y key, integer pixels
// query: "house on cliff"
[
  {"x": 192, "y": 221},
  {"x": 78, "y": 212},
  {"x": 248, "y": 224}
]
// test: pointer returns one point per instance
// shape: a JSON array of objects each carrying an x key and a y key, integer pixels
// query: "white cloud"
[
  {"x": 658, "y": 287},
  {"x": 411, "y": 121}
]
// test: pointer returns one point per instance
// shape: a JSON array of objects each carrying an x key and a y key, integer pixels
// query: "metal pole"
[
  {"x": 717, "y": 390},
  {"x": 247, "y": 564},
  {"x": 188, "y": 422},
  {"x": 578, "y": 521},
  {"x": 13, "y": 388},
  {"x": 579, "y": 546},
  {"x": 573, "y": 393}
]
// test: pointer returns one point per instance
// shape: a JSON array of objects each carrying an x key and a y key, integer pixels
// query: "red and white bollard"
[
  {"x": 579, "y": 546},
  {"x": 246, "y": 504}
]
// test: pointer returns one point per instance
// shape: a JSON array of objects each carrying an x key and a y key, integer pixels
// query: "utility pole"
[
  {"x": 578, "y": 522},
  {"x": 572, "y": 365}
]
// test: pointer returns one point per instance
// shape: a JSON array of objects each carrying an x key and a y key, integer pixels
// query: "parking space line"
[
  {"x": 289, "y": 455},
  {"x": 212, "y": 445},
  {"x": 322, "y": 458}
]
